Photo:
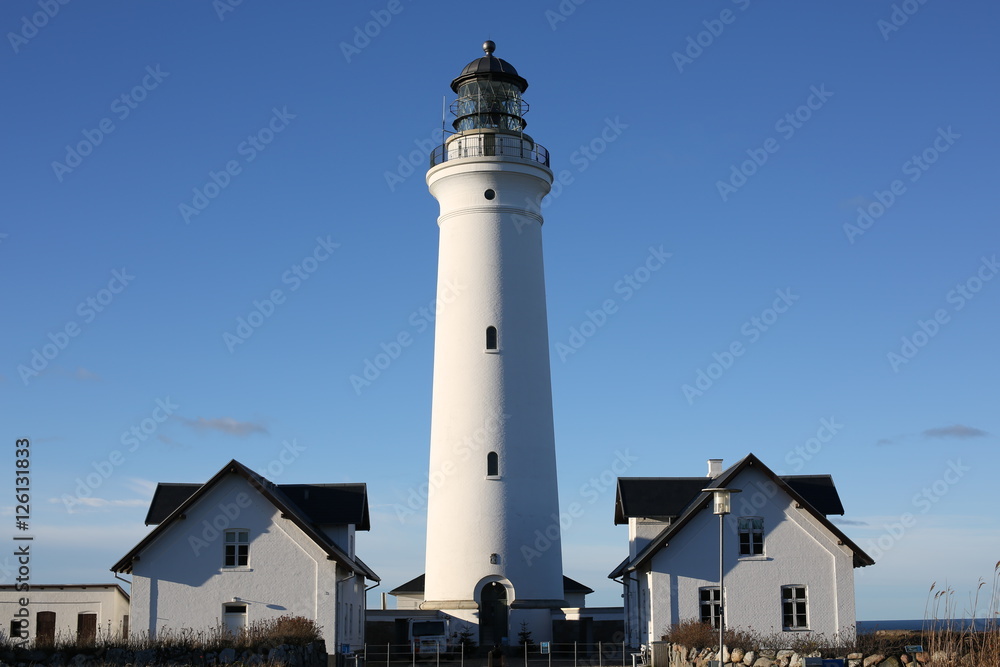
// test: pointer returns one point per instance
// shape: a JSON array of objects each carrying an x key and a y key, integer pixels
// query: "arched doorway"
[{"x": 492, "y": 614}]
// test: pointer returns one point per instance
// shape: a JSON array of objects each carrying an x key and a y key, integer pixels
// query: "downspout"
[
  {"x": 340, "y": 605},
  {"x": 625, "y": 605},
  {"x": 364, "y": 612}
]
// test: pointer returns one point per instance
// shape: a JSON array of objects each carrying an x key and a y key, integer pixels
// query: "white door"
[{"x": 235, "y": 618}]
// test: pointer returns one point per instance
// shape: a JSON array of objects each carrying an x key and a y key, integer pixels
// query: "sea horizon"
[{"x": 979, "y": 624}]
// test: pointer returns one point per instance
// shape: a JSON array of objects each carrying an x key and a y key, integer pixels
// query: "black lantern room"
[{"x": 489, "y": 95}]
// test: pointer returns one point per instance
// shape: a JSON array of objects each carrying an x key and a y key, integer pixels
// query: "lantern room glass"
[{"x": 485, "y": 104}]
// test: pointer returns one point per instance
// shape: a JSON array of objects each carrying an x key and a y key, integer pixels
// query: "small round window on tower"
[{"x": 490, "y": 194}]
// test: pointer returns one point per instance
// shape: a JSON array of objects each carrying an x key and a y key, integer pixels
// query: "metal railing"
[
  {"x": 575, "y": 654},
  {"x": 490, "y": 145}
]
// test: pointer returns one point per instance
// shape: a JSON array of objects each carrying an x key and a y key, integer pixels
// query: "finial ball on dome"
[{"x": 489, "y": 46}]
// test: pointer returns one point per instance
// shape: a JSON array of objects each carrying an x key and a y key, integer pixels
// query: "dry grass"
[
  {"x": 267, "y": 633},
  {"x": 945, "y": 632}
]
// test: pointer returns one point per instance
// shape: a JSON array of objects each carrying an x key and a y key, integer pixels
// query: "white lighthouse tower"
[{"x": 494, "y": 556}]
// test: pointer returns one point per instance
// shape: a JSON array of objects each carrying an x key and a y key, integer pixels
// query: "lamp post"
[{"x": 721, "y": 506}]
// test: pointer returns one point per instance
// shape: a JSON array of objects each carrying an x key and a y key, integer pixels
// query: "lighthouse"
[{"x": 494, "y": 557}]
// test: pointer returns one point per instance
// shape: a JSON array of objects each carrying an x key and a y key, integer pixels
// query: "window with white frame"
[
  {"x": 794, "y": 608},
  {"x": 237, "y": 548},
  {"x": 709, "y": 603},
  {"x": 751, "y": 530}
]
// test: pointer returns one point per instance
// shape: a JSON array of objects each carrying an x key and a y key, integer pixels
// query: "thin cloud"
[
  {"x": 85, "y": 504},
  {"x": 854, "y": 202},
  {"x": 883, "y": 441},
  {"x": 82, "y": 373},
  {"x": 849, "y": 522},
  {"x": 955, "y": 431},
  {"x": 167, "y": 440},
  {"x": 143, "y": 487},
  {"x": 226, "y": 425}
]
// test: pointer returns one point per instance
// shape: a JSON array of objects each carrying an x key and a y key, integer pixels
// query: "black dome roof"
[{"x": 491, "y": 68}]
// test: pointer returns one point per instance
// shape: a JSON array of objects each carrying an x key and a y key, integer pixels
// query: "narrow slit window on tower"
[
  {"x": 492, "y": 465},
  {"x": 491, "y": 338}
]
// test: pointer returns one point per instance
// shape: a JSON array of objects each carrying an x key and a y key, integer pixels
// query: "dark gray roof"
[
  {"x": 573, "y": 586},
  {"x": 168, "y": 497},
  {"x": 661, "y": 497},
  {"x": 489, "y": 67},
  {"x": 322, "y": 504},
  {"x": 819, "y": 491},
  {"x": 655, "y": 497},
  {"x": 416, "y": 585}
]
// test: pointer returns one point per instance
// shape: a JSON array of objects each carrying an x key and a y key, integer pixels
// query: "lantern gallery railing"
[{"x": 490, "y": 145}]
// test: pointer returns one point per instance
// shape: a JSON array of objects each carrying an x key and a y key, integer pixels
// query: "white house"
[
  {"x": 46, "y": 612},
  {"x": 239, "y": 549},
  {"x": 788, "y": 568}
]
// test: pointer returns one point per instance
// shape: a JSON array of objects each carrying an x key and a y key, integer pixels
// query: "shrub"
[{"x": 692, "y": 633}]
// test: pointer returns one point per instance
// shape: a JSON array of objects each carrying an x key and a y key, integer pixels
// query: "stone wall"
[
  {"x": 675, "y": 655},
  {"x": 308, "y": 655}
]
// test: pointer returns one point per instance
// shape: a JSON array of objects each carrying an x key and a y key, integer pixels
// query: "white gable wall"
[
  {"x": 798, "y": 550},
  {"x": 180, "y": 582},
  {"x": 642, "y": 531}
]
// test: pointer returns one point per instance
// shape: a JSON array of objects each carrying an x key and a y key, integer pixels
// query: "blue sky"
[{"x": 822, "y": 175}]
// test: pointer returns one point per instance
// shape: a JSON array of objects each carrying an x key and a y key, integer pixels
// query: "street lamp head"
[{"x": 721, "y": 499}]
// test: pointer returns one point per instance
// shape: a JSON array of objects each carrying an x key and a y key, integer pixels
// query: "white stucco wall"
[
  {"x": 798, "y": 550},
  {"x": 67, "y": 602},
  {"x": 179, "y": 580},
  {"x": 490, "y": 273},
  {"x": 641, "y": 532}
]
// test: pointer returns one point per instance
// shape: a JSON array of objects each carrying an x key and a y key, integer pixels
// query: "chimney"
[
  {"x": 714, "y": 468},
  {"x": 384, "y": 605}
]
